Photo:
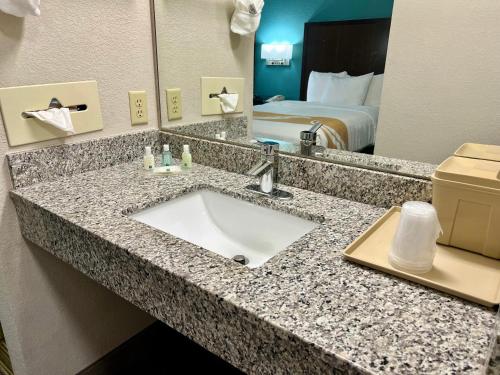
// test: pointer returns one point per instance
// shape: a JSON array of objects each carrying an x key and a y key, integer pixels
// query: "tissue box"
[{"x": 466, "y": 195}]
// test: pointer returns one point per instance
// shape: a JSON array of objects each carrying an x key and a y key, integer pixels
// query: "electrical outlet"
[
  {"x": 174, "y": 104},
  {"x": 138, "y": 107}
]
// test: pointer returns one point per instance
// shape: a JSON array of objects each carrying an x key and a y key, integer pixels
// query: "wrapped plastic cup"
[{"x": 414, "y": 245}]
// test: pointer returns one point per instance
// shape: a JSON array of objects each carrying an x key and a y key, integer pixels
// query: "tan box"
[
  {"x": 479, "y": 151},
  {"x": 466, "y": 194}
]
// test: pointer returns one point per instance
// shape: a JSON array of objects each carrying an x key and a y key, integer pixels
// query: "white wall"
[
  {"x": 56, "y": 320},
  {"x": 442, "y": 85},
  {"x": 194, "y": 41}
]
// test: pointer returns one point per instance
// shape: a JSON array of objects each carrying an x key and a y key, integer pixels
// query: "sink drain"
[{"x": 241, "y": 259}]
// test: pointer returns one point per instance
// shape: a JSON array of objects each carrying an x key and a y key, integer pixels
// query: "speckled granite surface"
[
  {"x": 398, "y": 165},
  {"x": 31, "y": 167},
  {"x": 356, "y": 184},
  {"x": 235, "y": 127},
  {"x": 306, "y": 311},
  {"x": 494, "y": 364}
]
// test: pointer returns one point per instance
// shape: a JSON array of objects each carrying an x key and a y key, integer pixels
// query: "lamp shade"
[{"x": 277, "y": 51}]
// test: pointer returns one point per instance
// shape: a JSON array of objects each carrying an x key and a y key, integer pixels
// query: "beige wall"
[
  {"x": 442, "y": 85},
  {"x": 57, "y": 321},
  {"x": 194, "y": 41}
]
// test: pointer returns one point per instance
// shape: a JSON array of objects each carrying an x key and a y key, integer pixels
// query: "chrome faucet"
[
  {"x": 267, "y": 172},
  {"x": 308, "y": 138}
]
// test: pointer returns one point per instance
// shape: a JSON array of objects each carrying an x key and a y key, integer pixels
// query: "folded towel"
[
  {"x": 246, "y": 17},
  {"x": 20, "y": 8},
  {"x": 228, "y": 102},
  {"x": 60, "y": 118}
]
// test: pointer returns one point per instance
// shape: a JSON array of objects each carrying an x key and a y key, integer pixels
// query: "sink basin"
[{"x": 227, "y": 226}]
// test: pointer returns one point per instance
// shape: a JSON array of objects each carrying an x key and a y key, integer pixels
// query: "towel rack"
[
  {"x": 55, "y": 103},
  {"x": 224, "y": 91}
]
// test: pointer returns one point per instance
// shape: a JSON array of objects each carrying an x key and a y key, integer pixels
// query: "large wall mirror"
[{"x": 320, "y": 70}]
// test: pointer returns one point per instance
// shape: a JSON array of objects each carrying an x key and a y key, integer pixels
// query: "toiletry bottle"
[
  {"x": 166, "y": 156},
  {"x": 149, "y": 159},
  {"x": 186, "y": 158}
]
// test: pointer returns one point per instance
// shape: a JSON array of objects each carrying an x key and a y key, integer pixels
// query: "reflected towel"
[
  {"x": 246, "y": 17},
  {"x": 20, "y": 8},
  {"x": 60, "y": 118},
  {"x": 229, "y": 102}
]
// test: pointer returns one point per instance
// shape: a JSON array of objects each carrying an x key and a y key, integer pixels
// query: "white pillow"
[
  {"x": 317, "y": 84},
  {"x": 347, "y": 90},
  {"x": 375, "y": 91}
]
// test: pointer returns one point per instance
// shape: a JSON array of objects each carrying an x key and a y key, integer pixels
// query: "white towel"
[
  {"x": 20, "y": 8},
  {"x": 60, "y": 118},
  {"x": 246, "y": 17},
  {"x": 228, "y": 102}
]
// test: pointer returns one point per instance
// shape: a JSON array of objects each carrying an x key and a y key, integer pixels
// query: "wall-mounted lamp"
[{"x": 277, "y": 54}]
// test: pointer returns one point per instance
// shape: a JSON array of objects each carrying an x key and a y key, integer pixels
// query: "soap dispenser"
[
  {"x": 186, "y": 158},
  {"x": 166, "y": 156},
  {"x": 149, "y": 159}
]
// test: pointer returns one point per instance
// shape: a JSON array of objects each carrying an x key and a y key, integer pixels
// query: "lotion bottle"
[
  {"x": 166, "y": 156},
  {"x": 187, "y": 159},
  {"x": 149, "y": 159}
]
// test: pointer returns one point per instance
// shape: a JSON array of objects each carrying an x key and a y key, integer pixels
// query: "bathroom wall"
[
  {"x": 442, "y": 85},
  {"x": 57, "y": 321},
  {"x": 194, "y": 41},
  {"x": 283, "y": 21}
]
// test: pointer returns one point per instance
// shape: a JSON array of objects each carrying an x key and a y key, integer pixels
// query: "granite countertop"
[{"x": 307, "y": 310}]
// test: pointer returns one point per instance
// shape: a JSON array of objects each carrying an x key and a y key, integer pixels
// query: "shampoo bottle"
[
  {"x": 149, "y": 159},
  {"x": 166, "y": 156},
  {"x": 186, "y": 158}
]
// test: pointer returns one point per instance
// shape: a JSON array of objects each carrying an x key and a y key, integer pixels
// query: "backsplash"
[
  {"x": 356, "y": 184},
  {"x": 45, "y": 164},
  {"x": 235, "y": 127}
]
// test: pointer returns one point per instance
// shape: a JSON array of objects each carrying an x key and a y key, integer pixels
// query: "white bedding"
[{"x": 361, "y": 122}]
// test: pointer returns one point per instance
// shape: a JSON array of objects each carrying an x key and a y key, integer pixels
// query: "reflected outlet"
[
  {"x": 138, "y": 107},
  {"x": 174, "y": 104}
]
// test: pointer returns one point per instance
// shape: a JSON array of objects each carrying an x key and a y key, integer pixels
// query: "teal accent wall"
[{"x": 283, "y": 21}]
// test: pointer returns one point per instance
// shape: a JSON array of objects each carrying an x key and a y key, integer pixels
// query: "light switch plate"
[
  {"x": 174, "y": 104},
  {"x": 214, "y": 85},
  {"x": 16, "y": 100},
  {"x": 138, "y": 101}
]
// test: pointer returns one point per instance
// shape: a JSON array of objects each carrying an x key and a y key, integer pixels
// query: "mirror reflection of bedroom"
[{"x": 319, "y": 72}]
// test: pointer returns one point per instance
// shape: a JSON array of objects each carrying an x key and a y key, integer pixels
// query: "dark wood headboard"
[{"x": 357, "y": 46}]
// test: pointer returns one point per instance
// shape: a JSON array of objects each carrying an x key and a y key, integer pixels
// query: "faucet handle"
[
  {"x": 315, "y": 126},
  {"x": 268, "y": 148}
]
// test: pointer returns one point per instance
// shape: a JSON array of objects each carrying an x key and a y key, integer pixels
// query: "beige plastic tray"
[{"x": 458, "y": 272}]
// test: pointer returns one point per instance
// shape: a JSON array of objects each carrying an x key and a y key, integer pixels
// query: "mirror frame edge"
[{"x": 156, "y": 62}]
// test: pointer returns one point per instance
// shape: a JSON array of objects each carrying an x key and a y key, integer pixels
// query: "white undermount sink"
[{"x": 227, "y": 226}]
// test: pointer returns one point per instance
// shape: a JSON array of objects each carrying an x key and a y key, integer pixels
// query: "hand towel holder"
[
  {"x": 55, "y": 103},
  {"x": 223, "y": 92}
]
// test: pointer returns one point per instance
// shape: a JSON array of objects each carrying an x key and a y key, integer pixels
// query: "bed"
[
  {"x": 350, "y": 128},
  {"x": 356, "y": 47}
]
